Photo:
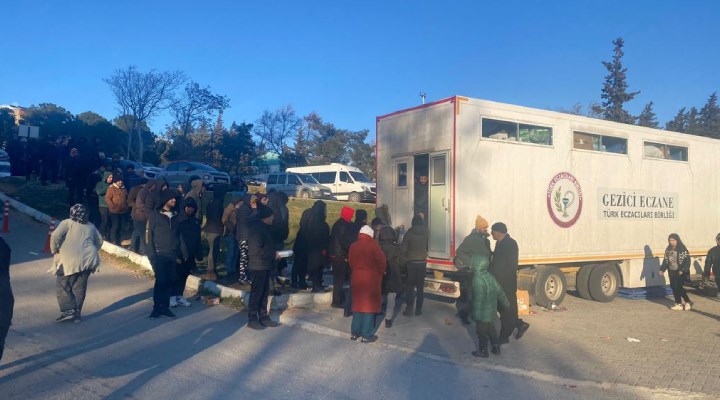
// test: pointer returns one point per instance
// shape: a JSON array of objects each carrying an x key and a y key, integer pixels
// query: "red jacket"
[{"x": 367, "y": 262}]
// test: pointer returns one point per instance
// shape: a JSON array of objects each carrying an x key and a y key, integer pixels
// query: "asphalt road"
[{"x": 208, "y": 353}]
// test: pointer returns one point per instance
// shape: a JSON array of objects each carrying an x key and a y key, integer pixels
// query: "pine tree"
[
  {"x": 648, "y": 117},
  {"x": 709, "y": 118},
  {"x": 692, "y": 125},
  {"x": 614, "y": 92},
  {"x": 679, "y": 123}
]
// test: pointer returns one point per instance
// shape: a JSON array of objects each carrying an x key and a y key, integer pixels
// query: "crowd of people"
[{"x": 376, "y": 268}]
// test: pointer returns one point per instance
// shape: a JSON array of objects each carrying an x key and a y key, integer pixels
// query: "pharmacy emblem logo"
[{"x": 564, "y": 199}]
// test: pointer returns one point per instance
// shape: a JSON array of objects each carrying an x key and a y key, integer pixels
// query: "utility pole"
[{"x": 422, "y": 96}]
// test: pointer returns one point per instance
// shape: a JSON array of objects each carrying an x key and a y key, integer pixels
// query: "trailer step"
[{"x": 645, "y": 293}]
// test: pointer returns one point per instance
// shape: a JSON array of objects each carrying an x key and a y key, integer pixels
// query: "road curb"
[{"x": 287, "y": 301}]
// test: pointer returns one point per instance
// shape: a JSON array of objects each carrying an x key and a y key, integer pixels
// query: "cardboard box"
[{"x": 523, "y": 302}]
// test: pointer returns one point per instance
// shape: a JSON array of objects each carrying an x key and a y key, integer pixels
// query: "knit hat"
[
  {"x": 346, "y": 213},
  {"x": 165, "y": 196},
  {"x": 499, "y": 227},
  {"x": 366, "y": 230},
  {"x": 361, "y": 216},
  {"x": 263, "y": 212},
  {"x": 481, "y": 223},
  {"x": 78, "y": 213}
]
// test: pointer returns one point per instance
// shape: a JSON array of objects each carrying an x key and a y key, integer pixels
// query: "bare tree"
[
  {"x": 275, "y": 128},
  {"x": 142, "y": 95},
  {"x": 196, "y": 105}
]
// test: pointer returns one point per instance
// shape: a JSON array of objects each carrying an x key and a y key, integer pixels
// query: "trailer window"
[
  {"x": 516, "y": 132},
  {"x": 438, "y": 165},
  {"x": 665, "y": 151},
  {"x": 605, "y": 144},
  {"x": 402, "y": 175}
]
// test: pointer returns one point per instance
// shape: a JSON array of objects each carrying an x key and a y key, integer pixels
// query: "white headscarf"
[{"x": 367, "y": 230}]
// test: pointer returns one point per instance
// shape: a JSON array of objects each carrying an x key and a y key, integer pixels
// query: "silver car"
[
  {"x": 298, "y": 185},
  {"x": 178, "y": 172}
]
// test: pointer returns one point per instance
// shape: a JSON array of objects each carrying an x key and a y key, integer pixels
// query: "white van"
[{"x": 346, "y": 182}]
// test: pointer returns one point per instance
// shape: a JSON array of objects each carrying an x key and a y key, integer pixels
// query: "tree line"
[{"x": 615, "y": 95}]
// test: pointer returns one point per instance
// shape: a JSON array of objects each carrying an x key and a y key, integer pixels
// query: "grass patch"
[
  {"x": 50, "y": 199},
  {"x": 126, "y": 264}
]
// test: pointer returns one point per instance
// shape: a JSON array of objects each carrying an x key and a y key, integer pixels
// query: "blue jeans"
[
  {"x": 137, "y": 241},
  {"x": 232, "y": 254}
]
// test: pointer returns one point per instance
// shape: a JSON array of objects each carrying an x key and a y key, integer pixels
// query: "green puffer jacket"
[
  {"x": 486, "y": 291},
  {"x": 101, "y": 188}
]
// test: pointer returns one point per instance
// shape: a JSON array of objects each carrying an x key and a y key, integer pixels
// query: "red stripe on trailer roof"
[{"x": 434, "y": 103}]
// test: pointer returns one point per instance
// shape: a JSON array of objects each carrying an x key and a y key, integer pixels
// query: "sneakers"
[
  {"x": 688, "y": 306},
  {"x": 255, "y": 324},
  {"x": 173, "y": 301},
  {"x": 267, "y": 322},
  {"x": 181, "y": 301},
  {"x": 154, "y": 315},
  {"x": 521, "y": 330},
  {"x": 65, "y": 316},
  {"x": 369, "y": 339},
  {"x": 354, "y": 336},
  {"x": 77, "y": 318},
  {"x": 167, "y": 314},
  {"x": 677, "y": 307},
  {"x": 481, "y": 353}
]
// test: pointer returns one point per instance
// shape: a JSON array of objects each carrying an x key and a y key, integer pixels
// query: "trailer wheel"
[
  {"x": 604, "y": 283},
  {"x": 550, "y": 286},
  {"x": 354, "y": 197},
  {"x": 583, "y": 281}
]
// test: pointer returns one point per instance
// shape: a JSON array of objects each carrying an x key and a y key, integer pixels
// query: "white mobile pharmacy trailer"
[{"x": 590, "y": 202}]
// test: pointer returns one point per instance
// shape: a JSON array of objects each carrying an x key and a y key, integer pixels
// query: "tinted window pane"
[
  {"x": 272, "y": 179},
  {"x": 678, "y": 153},
  {"x": 438, "y": 165},
  {"x": 402, "y": 175},
  {"x": 325, "y": 177},
  {"x": 614, "y": 145},
  {"x": 496, "y": 129},
  {"x": 536, "y": 134},
  {"x": 344, "y": 177}
]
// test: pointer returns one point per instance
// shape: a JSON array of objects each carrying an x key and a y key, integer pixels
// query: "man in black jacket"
[
  {"x": 7, "y": 301},
  {"x": 163, "y": 237},
  {"x": 342, "y": 236},
  {"x": 262, "y": 256},
  {"x": 190, "y": 251},
  {"x": 504, "y": 268},
  {"x": 712, "y": 263},
  {"x": 246, "y": 215}
]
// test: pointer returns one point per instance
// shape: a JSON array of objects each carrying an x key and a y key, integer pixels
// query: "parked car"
[
  {"x": 298, "y": 185},
  {"x": 123, "y": 164},
  {"x": 178, "y": 172},
  {"x": 257, "y": 180},
  {"x": 150, "y": 170}
]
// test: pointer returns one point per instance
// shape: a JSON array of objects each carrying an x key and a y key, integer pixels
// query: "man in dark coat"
[
  {"x": 318, "y": 238},
  {"x": 261, "y": 250},
  {"x": 280, "y": 229},
  {"x": 74, "y": 177},
  {"x": 139, "y": 216},
  {"x": 163, "y": 236},
  {"x": 712, "y": 263},
  {"x": 421, "y": 197},
  {"x": 503, "y": 267},
  {"x": 300, "y": 253},
  {"x": 414, "y": 252},
  {"x": 7, "y": 301},
  {"x": 475, "y": 244},
  {"x": 214, "y": 230},
  {"x": 190, "y": 251},
  {"x": 342, "y": 236}
]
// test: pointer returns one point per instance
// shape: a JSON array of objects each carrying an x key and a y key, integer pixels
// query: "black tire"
[
  {"x": 582, "y": 281},
  {"x": 604, "y": 283},
  {"x": 354, "y": 197},
  {"x": 550, "y": 286}
]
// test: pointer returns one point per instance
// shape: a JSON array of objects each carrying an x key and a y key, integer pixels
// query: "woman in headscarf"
[
  {"x": 367, "y": 263},
  {"x": 677, "y": 263},
  {"x": 75, "y": 244}
]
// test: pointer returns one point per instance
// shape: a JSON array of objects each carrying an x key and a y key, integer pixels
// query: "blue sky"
[{"x": 353, "y": 61}]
